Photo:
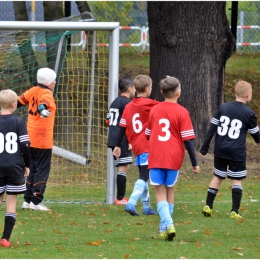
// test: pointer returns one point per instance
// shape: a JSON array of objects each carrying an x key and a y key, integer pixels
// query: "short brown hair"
[
  {"x": 141, "y": 82},
  {"x": 242, "y": 88},
  {"x": 7, "y": 98},
  {"x": 168, "y": 86}
]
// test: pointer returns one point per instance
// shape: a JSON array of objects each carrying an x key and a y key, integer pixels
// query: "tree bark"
[
  {"x": 191, "y": 41},
  {"x": 25, "y": 46}
]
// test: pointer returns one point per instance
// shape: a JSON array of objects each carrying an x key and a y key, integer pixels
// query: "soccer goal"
[{"x": 82, "y": 167}]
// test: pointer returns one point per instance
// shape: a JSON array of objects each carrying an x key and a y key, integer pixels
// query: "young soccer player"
[
  {"x": 169, "y": 126},
  {"x": 134, "y": 121},
  {"x": 14, "y": 158},
  {"x": 41, "y": 114},
  {"x": 127, "y": 92},
  {"x": 230, "y": 123}
]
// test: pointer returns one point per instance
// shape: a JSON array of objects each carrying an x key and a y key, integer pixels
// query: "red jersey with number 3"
[
  {"x": 168, "y": 126},
  {"x": 134, "y": 119}
]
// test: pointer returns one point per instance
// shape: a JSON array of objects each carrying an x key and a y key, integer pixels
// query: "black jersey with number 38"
[
  {"x": 231, "y": 123},
  {"x": 13, "y": 135}
]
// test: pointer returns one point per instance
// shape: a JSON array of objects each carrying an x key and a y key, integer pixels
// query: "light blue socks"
[
  {"x": 162, "y": 226},
  {"x": 146, "y": 197},
  {"x": 137, "y": 192}
]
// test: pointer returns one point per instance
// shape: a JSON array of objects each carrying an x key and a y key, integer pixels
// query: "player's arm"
[
  {"x": 205, "y": 147},
  {"x": 26, "y": 154},
  {"x": 189, "y": 145},
  {"x": 254, "y": 129}
]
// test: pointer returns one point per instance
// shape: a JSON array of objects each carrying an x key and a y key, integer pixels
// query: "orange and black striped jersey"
[{"x": 40, "y": 130}]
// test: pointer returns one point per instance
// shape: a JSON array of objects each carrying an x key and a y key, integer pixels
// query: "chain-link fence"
[{"x": 134, "y": 33}]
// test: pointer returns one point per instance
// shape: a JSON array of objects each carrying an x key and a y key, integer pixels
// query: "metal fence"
[{"x": 133, "y": 19}]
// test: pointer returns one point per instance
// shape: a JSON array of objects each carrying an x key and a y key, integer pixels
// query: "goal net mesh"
[{"x": 81, "y": 96}]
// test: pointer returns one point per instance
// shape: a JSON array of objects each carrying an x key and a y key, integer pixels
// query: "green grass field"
[{"x": 99, "y": 231}]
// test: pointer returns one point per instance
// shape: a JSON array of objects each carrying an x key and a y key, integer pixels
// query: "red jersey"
[
  {"x": 168, "y": 126},
  {"x": 134, "y": 119}
]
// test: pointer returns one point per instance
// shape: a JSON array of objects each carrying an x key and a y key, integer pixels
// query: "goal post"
[{"x": 112, "y": 28}]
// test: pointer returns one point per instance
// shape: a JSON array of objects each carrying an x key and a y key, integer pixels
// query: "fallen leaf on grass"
[
  {"x": 237, "y": 248},
  {"x": 27, "y": 243},
  {"x": 95, "y": 243},
  {"x": 127, "y": 256}
]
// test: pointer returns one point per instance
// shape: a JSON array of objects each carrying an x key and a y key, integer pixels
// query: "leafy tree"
[{"x": 112, "y": 11}]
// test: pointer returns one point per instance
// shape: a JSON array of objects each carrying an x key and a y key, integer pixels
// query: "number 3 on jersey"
[
  {"x": 8, "y": 142},
  {"x": 233, "y": 130}
]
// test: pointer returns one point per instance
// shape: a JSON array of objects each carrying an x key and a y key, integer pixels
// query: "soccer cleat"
[
  {"x": 162, "y": 235},
  {"x": 235, "y": 215},
  {"x": 170, "y": 233},
  {"x": 149, "y": 211},
  {"x": 130, "y": 208},
  {"x": 122, "y": 201},
  {"x": 40, "y": 207},
  {"x": 5, "y": 243},
  {"x": 25, "y": 205},
  {"x": 207, "y": 211}
]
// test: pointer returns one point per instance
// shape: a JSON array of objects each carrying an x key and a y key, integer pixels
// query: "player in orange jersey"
[{"x": 41, "y": 114}]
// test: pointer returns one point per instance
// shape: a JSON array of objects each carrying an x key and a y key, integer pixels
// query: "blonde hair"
[
  {"x": 242, "y": 88},
  {"x": 141, "y": 82},
  {"x": 7, "y": 98}
]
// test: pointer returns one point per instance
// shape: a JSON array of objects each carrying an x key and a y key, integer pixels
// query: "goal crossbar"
[{"x": 113, "y": 27}]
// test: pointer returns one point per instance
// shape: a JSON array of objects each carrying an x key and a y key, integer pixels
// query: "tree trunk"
[
  {"x": 25, "y": 46},
  {"x": 191, "y": 41}
]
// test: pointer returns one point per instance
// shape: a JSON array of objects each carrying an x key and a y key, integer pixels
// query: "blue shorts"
[
  {"x": 141, "y": 159},
  {"x": 159, "y": 176}
]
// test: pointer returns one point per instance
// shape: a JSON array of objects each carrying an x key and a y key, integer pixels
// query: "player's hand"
[
  {"x": 196, "y": 169},
  {"x": 117, "y": 152},
  {"x": 45, "y": 113},
  {"x": 26, "y": 171},
  {"x": 130, "y": 148}
]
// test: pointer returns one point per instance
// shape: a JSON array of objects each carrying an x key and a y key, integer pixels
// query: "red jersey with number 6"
[
  {"x": 168, "y": 126},
  {"x": 134, "y": 119}
]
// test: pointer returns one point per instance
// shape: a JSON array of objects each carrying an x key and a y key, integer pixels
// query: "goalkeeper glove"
[{"x": 42, "y": 109}]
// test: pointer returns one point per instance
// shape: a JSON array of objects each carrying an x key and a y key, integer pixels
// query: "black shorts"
[
  {"x": 12, "y": 180},
  {"x": 125, "y": 157},
  {"x": 231, "y": 169}
]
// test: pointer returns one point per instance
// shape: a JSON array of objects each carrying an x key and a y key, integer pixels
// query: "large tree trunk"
[
  {"x": 191, "y": 41},
  {"x": 25, "y": 46}
]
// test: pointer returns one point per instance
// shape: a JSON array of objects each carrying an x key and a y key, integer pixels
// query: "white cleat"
[
  {"x": 40, "y": 207},
  {"x": 26, "y": 205}
]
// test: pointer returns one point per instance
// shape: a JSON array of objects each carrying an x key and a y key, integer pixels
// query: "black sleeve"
[
  {"x": 26, "y": 154},
  {"x": 120, "y": 136},
  {"x": 19, "y": 104},
  {"x": 191, "y": 150},
  {"x": 205, "y": 147}
]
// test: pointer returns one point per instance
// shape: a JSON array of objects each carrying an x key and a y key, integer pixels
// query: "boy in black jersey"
[
  {"x": 14, "y": 158},
  {"x": 231, "y": 123},
  {"x": 127, "y": 92}
]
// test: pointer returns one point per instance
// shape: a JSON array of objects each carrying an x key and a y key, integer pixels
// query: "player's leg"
[
  {"x": 121, "y": 184},
  {"x": 236, "y": 172},
  {"x": 122, "y": 164},
  {"x": 30, "y": 179},
  {"x": 137, "y": 191},
  {"x": 43, "y": 165},
  {"x": 15, "y": 184},
  {"x": 220, "y": 173},
  {"x": 158, "y": 178},
  {"x": 10, "y": 219}
]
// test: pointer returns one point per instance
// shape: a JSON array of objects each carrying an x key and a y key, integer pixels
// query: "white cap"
[{"x": 46, "y": 76}]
